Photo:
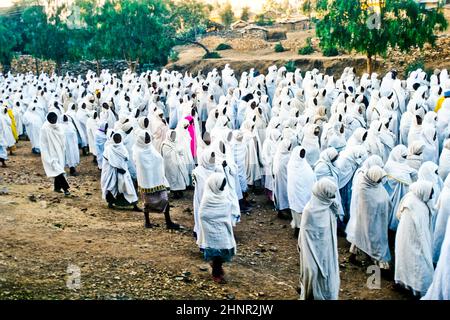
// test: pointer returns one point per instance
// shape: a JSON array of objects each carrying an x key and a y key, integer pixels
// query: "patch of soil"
[{"x": 45, "y": 236}]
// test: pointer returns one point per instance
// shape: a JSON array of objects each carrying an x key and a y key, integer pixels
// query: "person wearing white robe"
[
  {"x": 431, "y": 148},
  {"x": 216, "y": 236},
  {"x": 91, "y": 128},
  {"x": 310, "y": 142},
  {"x": 239, "y": 151},
  {"x": 280, "y": 162},
  {"x": 174, "y": 165},
  {"x": 3, "y": 144},
  {"x": 317, "y": 244},
  {"x": 225, "y": 163},
  {"x": 415, "y": 154},
  {"x": 429, "y": 172},
  {"x": 413, "y": 242},
  {"x": 116, "y": 182},
  {"x": 152, "y": 183},
  {"x": 100, "y": 140},
  {"x": 33, "y": 123},
  {"x": 441, "y": 220},
  {"x": 299, "y": 189},
  {"x": 440, "y": 286},
  {"x": 183, "y": 141},
  {"x": 268, "y": 153},
  {"x": 444, "y": 161},
  {"x": 206, "y": 167},
  {"x": 128, "y": 139},
  {"x": 7, "y": 128},
  {"x": 369, "y": 217},
  {"x": 53, "y": 143},
  {"x": 253, "y": 145},
  {"x": 399, "y": 177},
  {"x": 72, "y": 153}
]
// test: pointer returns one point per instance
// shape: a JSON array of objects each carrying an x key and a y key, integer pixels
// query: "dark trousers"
[{"x": 61, "y": 182}]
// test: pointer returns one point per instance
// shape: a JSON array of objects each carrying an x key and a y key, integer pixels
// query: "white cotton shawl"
[
  {"x": 413, "y": 242},
  {"x": 215, "y": 216},
  {"x": 317, "y": 244},
  {"x": 52, "y": 143},
  {"x": 149, "y": 164},
  {"x": 300, "y": 180}
]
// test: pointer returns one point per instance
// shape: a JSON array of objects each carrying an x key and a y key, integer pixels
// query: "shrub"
[
  {"x": 290, "y": 66},
  {"x": 279, "y": 47},
  {"x": 212, "y": 55},
  {"x": 413, "y": 66},
  {"x": 308, "y": 49},
  {"x": 223, "y": 46},
  {"x": 330, "y": 52},
  {"x": 174, "y": 56}
]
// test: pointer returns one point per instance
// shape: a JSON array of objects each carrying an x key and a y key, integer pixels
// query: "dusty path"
[{"x": 42, "y": 233}]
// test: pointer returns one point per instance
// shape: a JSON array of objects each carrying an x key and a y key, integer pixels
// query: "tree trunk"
[
  {"x": 97, "y": 63},
  {"x": 369, "y": 64},
  {"x": 196, "y": 43},
  {"x": 37, "y": 65}
]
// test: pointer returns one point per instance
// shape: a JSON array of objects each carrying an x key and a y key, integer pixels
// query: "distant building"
[
  {"x": 293, "y": 24},
  {"x": 430, "y": 4},
  {"x": 240, "y": 24},
  {"x": 253, "y": 31}
]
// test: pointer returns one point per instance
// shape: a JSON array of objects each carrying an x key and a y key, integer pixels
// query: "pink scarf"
[{"x": 191, "y": 130}]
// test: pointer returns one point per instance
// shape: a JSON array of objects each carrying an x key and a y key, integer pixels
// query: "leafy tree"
[
  {"x": 401, "y": 24},
  {"x": 245, "y": 14},
  {"x": 227, "y": 15},
  {"x": 9, "y": 39},
  {"x": 190, "y": 19}
]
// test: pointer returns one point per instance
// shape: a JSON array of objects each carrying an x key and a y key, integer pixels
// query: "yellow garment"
[
  {"x": 13, "y": 125},
  {"x": 439, "y": 104}
]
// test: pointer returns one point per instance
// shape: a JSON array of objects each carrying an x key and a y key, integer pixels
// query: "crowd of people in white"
[{"x": 365, "y": 157}]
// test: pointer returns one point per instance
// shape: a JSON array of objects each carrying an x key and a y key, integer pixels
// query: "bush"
[
  {"x": 279, "y": 47},
  {"x": 290, "y": 66},
  {"x": 212, "y": 55},
  {"x": 413, "y": 66},
  {"x": 308, "y": 49},
  {"x": 223, "y": 46},
  {"x": 330, "y": 52},
  {"x": 174, "y": 56}
]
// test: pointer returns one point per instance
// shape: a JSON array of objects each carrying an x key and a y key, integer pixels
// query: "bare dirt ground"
[{"x": 42, "y": 233}]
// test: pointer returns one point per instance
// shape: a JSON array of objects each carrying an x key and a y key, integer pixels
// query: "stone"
[{"x": 43, "y": 204}]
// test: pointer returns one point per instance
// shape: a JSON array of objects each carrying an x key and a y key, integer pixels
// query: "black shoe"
[
  {"x": 173, "y": 226},
  {"x": 110, "y": 205},
  {"x": 67, "y": 193},
  {"x": 73, "y": 172},
  {"x": 283, "y": 215}
]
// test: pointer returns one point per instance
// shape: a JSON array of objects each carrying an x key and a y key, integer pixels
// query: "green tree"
[
  {"x": 245, "y": 14},
  {"x": 9, "y": 40},
  {"x": 138, "y": 31},
  {"x": 227, "y": 15},
  {"x": 190, "y": 20},
  {"x": 402, "y": 24}
]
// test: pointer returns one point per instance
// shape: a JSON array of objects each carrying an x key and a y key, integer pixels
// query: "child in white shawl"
[
  {"x": 299, "y": 189},
  {"x": 413, "y": 242},
  {"x": 216, "y": 236}
]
